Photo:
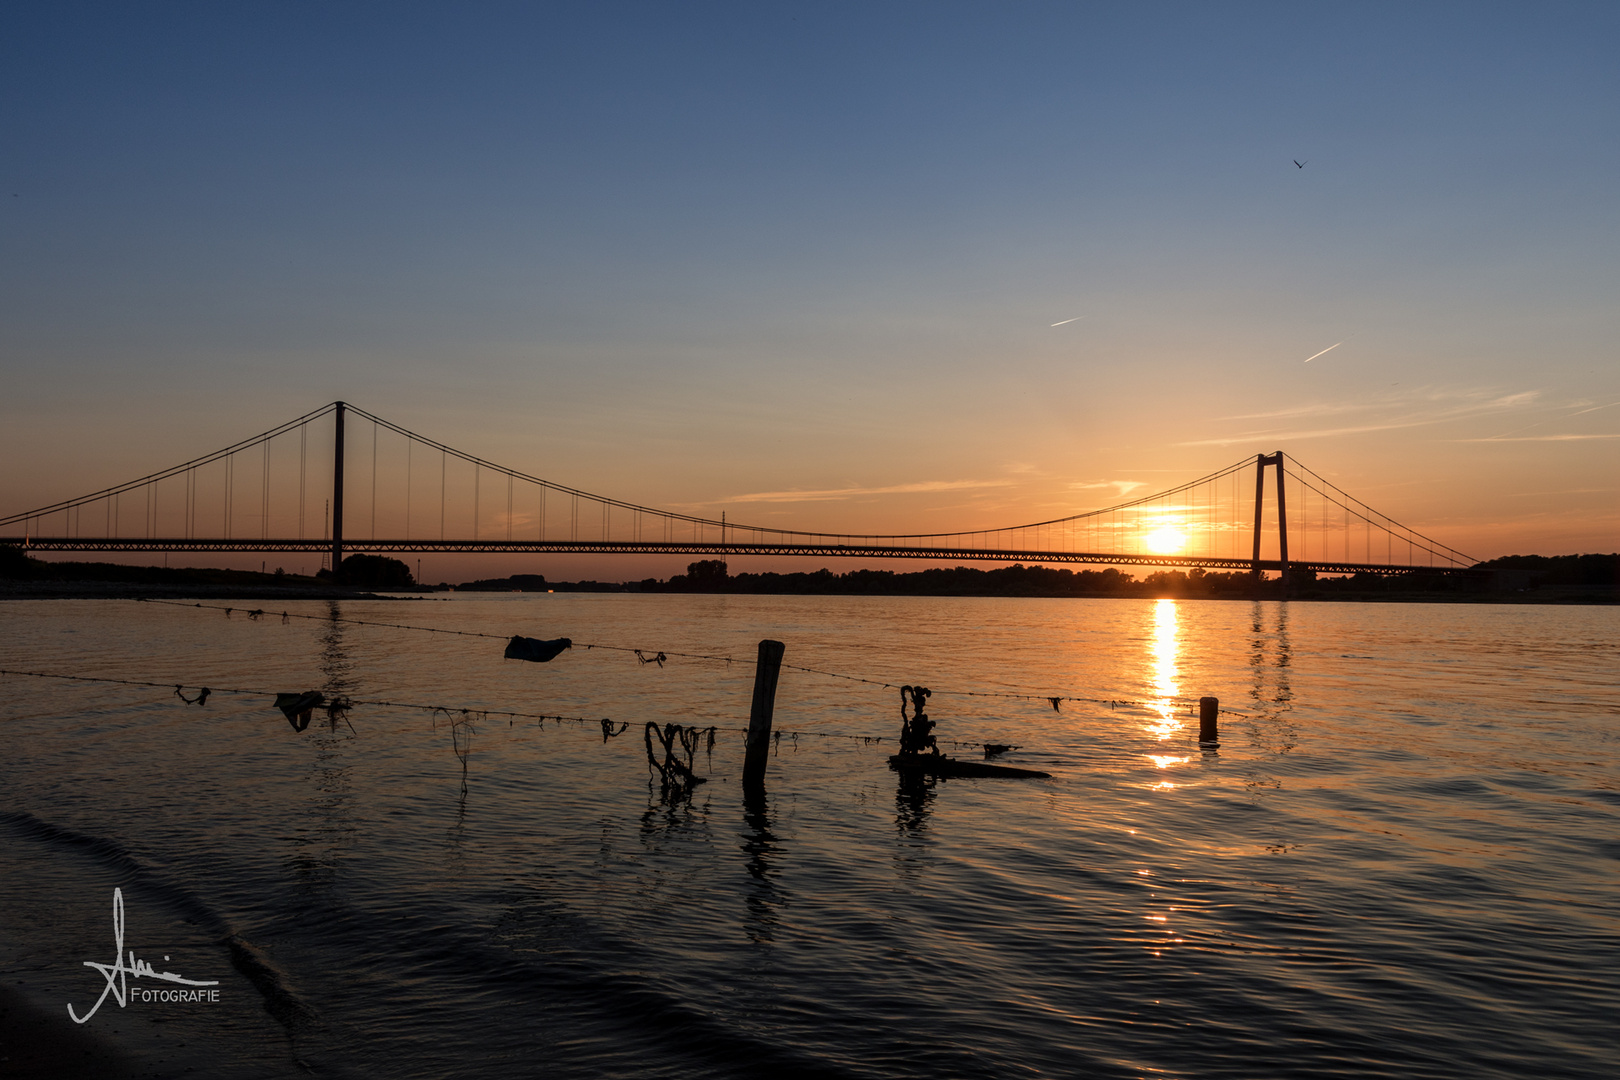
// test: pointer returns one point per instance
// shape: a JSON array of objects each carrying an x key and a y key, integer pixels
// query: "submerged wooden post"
[
  {"x": 1209, "y": 711},
  {"x": 759, "y": 717}
]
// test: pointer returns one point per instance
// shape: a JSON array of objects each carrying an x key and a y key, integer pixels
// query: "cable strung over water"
[
  {"x": 659, "y": 655},
  {"x": 343, "y": 703}
]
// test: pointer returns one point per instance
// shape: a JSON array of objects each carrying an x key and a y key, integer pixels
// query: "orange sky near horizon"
[{"x": 915, "y": 269}]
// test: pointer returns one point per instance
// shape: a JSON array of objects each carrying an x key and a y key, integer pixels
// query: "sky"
[{"x": 689, "y": 255}]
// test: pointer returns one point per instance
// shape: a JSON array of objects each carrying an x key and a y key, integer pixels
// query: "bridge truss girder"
[{"x": 730, "y": 547}]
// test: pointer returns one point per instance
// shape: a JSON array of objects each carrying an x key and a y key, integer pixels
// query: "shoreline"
[
  {"x": 36, "y": 1044},
  {"x": 132, "y": 590},
  {"x": 118, "y": 590}
]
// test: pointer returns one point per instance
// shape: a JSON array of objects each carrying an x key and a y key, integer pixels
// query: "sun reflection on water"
[{"x": 1166, "y": 647}]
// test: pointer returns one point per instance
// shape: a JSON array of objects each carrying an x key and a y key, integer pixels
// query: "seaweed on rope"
[{"x": 661, "y": 656}]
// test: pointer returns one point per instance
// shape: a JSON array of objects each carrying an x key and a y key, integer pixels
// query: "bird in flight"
[{"x": 1300, "y": 163}]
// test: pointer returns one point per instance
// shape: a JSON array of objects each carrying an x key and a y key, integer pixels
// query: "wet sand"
[
  {"x": 37, "y": 1043},
  {"x": 132, "y": 590}
]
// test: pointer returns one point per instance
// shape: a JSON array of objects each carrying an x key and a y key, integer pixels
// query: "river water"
[{"x": 1401, "y": 860}]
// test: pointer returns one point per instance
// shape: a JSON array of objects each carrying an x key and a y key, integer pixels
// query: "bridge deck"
[{"x": 731, "y": 547}]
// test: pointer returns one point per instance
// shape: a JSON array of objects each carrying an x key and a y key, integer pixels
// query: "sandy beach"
[{"x": 43, "y": 1043}]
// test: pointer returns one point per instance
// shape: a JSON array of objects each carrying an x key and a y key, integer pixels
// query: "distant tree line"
[
  {"x": 1547, "y": 578},
  {"x": 1563, "y": 577},
  {"x": 356, "y": 571}
]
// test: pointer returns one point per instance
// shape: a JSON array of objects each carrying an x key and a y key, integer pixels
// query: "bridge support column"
[
  {"x": 1261, "y": 461},
  {"x": 1282, "y": 522},
  {"x": 337, "y": 492},
  {"x": 1259, "y": 507}
]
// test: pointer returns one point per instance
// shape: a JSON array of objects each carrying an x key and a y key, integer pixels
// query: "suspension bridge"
[{"x": 309, "y": 485}]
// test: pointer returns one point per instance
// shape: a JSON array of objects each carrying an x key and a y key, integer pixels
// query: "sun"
[{"x": 1165, "y": 540}]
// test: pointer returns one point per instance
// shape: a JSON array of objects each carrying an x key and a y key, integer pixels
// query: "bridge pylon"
[
  {"x": 337, "y": 489},
  {"x": 1261, "y": 461}
]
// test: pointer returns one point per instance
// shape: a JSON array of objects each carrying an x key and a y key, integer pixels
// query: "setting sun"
[{"x": 1166, "y": 540}]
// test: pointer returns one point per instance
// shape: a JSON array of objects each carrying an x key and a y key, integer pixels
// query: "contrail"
[
  {"x": 1329, "y": 349},
  {"x": 1595, "y": 408},
  {"x": 1066, "y": 322}
]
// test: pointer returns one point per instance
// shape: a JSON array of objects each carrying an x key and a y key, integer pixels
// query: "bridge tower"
[
  {"x": 337, "y": 492},
  {"x": 1261, "y": 461}
]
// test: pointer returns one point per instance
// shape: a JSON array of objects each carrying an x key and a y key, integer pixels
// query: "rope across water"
[{"x": 642, "y": 655}]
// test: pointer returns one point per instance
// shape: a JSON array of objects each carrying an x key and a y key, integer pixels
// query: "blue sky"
[{"x": 684, "y": 254}]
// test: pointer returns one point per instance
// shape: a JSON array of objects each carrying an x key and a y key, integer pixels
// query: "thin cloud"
[
  {"x": 831, "y": 494},
  {"x": 1324, "y": 352},
  {"x": 1471, "y": 405},
  {"x": 1066, "y": 322},
  {"x": 1320, "y": 409},
  {"x": 1323, "y": 433},
  {"x": 1539, "y": 438},
  {"x": 1124, "y": 487},
  {"x": 1472, "y": 399},
  {"x": 1595, "y": 408}
]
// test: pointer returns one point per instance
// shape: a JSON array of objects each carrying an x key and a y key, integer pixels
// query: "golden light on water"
[{"x": 1166, "y": 647}]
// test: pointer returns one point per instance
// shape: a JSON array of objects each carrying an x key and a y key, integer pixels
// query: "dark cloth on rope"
[
  {"x": 200, "y": 699},
  {"x": 298, "y": 708},
  {"x": 528, "y": 648}
]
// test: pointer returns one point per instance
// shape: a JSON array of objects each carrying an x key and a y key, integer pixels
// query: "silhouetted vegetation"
[
  {"x": 370, "y": 572},
  {"x": 1557, "y": 578},
  {"x": 538, "y": 583},
  {"x": 16, "y": 566},
  {"x": 1598, "y": 573},
  {"x": 14, "y": 563},
  {"x": 515, "y": 583}
]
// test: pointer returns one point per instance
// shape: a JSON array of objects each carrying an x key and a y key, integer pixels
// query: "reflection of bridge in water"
[{"x": 407, "y": 493}]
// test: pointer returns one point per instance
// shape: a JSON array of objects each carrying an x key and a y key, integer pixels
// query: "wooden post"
[
  {"x": 1209, "y": 711},
  {"x": 759, "y": 717}
]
